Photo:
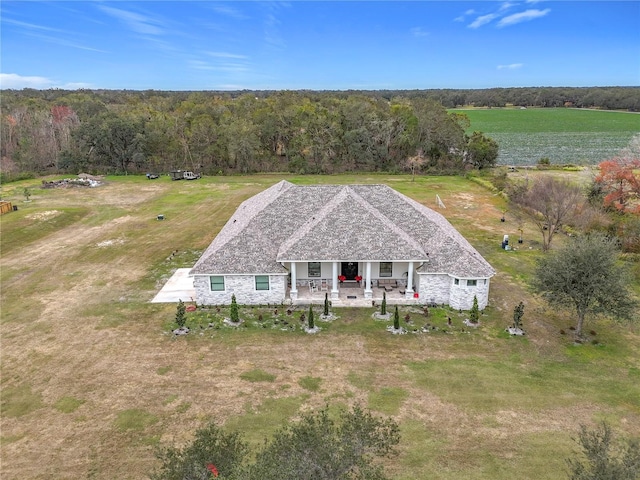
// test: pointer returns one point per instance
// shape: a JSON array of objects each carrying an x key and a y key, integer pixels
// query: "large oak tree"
[{"x": 584, "y": 275}]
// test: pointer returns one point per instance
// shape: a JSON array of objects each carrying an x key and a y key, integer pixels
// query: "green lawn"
[{"x": 92, "y": 379}]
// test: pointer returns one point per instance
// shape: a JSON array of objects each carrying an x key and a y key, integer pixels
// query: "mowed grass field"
[
  {"x": 563, "y": 135},
  {"x": 92, "y": 381}
]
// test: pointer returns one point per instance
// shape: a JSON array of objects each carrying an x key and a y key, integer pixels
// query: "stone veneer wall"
[
  {"x": 462, "y": 296},
  {"x": 434, "y": 288},
  {"x": 243, "y": 286}
]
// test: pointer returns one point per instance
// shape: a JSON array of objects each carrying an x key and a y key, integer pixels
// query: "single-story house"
[{"x": 290, "y": 241}]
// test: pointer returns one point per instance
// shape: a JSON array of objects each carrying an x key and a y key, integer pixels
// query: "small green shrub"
[
  {"x": 383, "y": 307},
  {"x": 257, "y": 375},
  {"x": 181, "y": 314},
  {"x": 234, "y": 314},
  {"x": 326, "y": 305},
  {"x": 68, "y": 404},
  {"x": 19, "y": 401},
  {"x": 311, "y": 321},
  {"x": 310, "y": 383},
  {"x": 134, "y": 419},
  {"x": 474, "y": 314}
]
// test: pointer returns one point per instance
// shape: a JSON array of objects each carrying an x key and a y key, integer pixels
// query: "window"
[
  {"x": 472, "y": 283},
  {"x": 456, "y": 281},
  {"x": 217, "y": 283},
  {"x": 262, "y": 282},
  {"x": 314, "y": 269},
  {"x": 386, "y": 269}
]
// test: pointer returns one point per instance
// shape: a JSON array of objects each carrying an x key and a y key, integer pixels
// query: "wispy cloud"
[
  {"x": 226, "y": 55},
  {"x": 462, "y": 17},
  {"x": 65, "y": 43},
  {"x": 272, "y": 31},
  {"x": 511, "y": 66},
  {"x": 30, "y": 26},
  {"x": 227, "y": 62},
  {"x": 228, "y": 11},
  {"x": 142, "y": 24},
  {"x": 419, "y": 32},
  {"x": 520, "y": 17},
  {"x": 483, "y": 20},
  {"x": 18, "y": 82}
]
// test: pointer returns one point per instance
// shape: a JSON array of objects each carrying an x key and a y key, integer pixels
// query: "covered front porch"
[
  {"x": 352, "y": 294},
  {"x": 350, "y": 283}
]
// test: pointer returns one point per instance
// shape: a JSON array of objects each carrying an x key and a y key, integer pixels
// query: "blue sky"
[{"x": 203, "y": 45}]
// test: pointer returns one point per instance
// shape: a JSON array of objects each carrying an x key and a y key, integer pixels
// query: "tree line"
[
  {"x": 299, "y": 132},
  {"x": 120, "y": 131}
]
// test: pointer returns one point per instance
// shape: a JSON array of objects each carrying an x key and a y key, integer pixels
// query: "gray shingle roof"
[{"x": 290, "y": 222}]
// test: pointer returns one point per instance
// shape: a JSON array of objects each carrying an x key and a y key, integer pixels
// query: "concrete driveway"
[{"x": 178, "y": 287}]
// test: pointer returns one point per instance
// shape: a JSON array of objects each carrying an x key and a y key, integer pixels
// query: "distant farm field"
[{"x": 563, "y": 135}]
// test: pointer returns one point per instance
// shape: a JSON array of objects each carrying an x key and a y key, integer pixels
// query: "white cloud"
[
  {"x": 18, "y": 82},
  {"x": 419, "y": 32},
  {"x": 13, "y": 80},
  {"x": 136, "y": 22},
  {"x": 522, "y": 17},
  {"x": 483, "y": 20},
  {"x": 511, "y": 66}
]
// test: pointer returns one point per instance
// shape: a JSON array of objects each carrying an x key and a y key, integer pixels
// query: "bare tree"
[
  {"x": 415, "y": 163},
  {"x": 548, "y": 203}
]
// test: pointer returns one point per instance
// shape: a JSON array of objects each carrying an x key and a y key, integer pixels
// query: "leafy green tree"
[
  {"x": 234, "y": 314},
  {"x": 212, "y": 446},
  {"x": 318, "y": 447},
  {"x": 180, "y": 314},
  {"x": 383, "y": 306},
  {"x": 474, "y": 313},
  {"x": 481, "y": 151},
  {"x": 310, "y": 318},
  {"x": 396, "y": 319},
  {"x": 585, "y": 275},
  {"x": 604, "y": 458},
  {"x": 116, "y": 142}
]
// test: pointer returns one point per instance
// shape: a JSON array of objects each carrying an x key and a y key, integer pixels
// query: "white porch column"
[
  {"x": 294, "y": 287},
  {"x": 367, "y": 281},
  {"x": 334, "y": 281},
  {"x": 409, "y": 292}
]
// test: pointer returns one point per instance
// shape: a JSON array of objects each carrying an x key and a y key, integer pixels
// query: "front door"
[{"x": 349, "y": 270}]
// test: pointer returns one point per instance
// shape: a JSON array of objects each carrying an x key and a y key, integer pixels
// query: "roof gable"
[
  {"x": 329, "y": 234},
  {"x": 288, "y": 222}
]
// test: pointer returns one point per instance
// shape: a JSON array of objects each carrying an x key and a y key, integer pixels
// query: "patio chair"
[
  {"x": 324, "y": 285},
  {"x": 312, "y": 286}
]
